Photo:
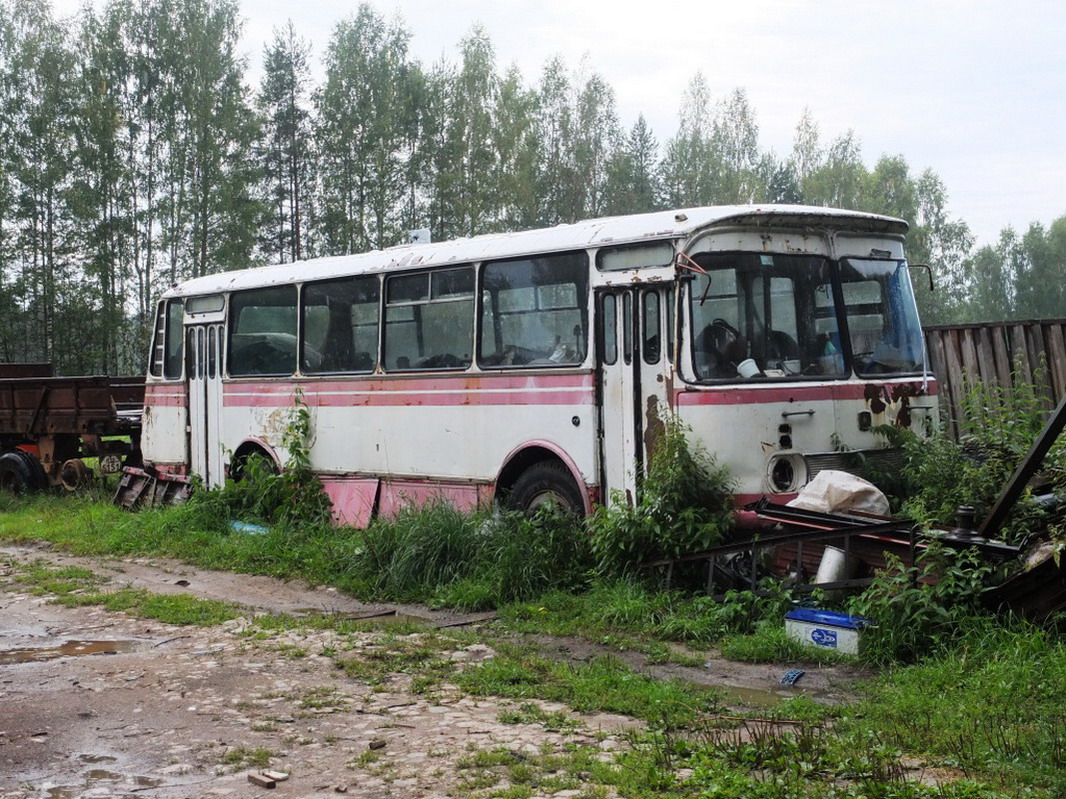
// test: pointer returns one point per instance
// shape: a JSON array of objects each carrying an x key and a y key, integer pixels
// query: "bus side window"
[
  {"x": 339, "y": 326},
  {"x": 429, "y": 320},
  {"x": 534, "y": 312},
  {"x": 174, "y": 338},
  {"x": 263, "y": 332}
]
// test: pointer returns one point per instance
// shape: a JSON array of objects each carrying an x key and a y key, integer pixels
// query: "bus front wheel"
[{"x": 546, "y": 483}]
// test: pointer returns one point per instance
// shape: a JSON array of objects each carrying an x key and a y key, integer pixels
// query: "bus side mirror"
[{"x": 929, "y": 271}]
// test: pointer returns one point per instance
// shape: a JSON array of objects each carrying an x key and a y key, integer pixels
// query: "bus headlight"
[{"x": 786, "y": 473}]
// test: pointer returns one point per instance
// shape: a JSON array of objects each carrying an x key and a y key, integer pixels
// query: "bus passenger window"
[
  {"x": 340, "y": 325},
  {"x": 651, "y": 346},
  {"x": 174, "y": 338},
  {"x": 534, "y": 312},
  {"x": 429, "y": 320},
  {"x": 263, "y": 332},
  {"x": 609, "y": 329}
]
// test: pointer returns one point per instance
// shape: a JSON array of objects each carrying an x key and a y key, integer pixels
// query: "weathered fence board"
[{"x": 1003, "y": 354}]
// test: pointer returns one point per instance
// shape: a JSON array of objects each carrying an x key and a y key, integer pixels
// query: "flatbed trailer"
[{"x": 49, "y": 425}]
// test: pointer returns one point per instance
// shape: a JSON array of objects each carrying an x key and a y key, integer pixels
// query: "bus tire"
[
  {"x": 20, "y": 472},
  {"x": 238, "y": 469},
  {"x": 547, "y": 482}
]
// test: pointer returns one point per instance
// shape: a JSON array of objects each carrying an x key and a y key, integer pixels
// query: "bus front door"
[
  {"x": 619, "y": 377},
  {"x": 205, "y": 369}
]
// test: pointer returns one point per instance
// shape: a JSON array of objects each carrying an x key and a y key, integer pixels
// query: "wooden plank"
[
  {"x": 1002, "y": 356},
  {"x": 1019, "y": 351},
  {"x": 1039, "y": 361},
  {"x": 968, "y": 348},
  {"x": 986, "y": 358},
  {"x": 1057, "y": 359},
  {"x": 958, "y": 385},
  {"x": 939, "y": 365}
]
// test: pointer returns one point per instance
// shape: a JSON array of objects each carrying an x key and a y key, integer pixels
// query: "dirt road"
[{"x": 99, "y": 704}]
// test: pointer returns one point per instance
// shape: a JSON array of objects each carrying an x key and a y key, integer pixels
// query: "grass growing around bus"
[{"x": 978, "y": 709}]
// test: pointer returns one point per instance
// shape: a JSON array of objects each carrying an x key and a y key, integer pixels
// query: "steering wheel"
[{"x": 722, "y": 323}]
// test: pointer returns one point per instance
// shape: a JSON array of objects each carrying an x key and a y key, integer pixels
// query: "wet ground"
[{"x": 98, "y": 704}]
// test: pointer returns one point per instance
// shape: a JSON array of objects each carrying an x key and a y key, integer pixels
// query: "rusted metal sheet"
[{"x": 35, "y": 406}]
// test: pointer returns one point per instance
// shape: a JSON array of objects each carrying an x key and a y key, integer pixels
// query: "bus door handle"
[{"x": 786, "y": 414}]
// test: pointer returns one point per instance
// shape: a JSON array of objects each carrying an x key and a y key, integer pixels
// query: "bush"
[
  {"x": 921, "y": 609},
  {"x": 685, "y": 506},
  {"x": 998, "y": 428}
]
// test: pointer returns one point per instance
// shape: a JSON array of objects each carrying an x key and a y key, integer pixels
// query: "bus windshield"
[
  {"x": 882, "y": 317},
  {"x": 775, "y": 310},
  {"x": 775, "y": 316}
]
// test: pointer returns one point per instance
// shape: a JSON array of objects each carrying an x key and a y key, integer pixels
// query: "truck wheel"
[
  {"x": 546, "y": 483},
  {"x": 20, "y": 472}
]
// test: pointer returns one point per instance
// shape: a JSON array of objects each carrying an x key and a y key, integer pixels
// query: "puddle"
[
  {"x": 102, "y": 774},
  {"x": 66, "y": 649},
  {"x": 96, "y": 758},
  {"x": 753, "y": 697},
  {"x": 148, "y": 782}
]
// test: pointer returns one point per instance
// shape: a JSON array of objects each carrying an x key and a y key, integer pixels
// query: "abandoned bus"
[{"x": 543, "y": 365}]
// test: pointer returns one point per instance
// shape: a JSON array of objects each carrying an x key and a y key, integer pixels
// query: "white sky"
[{"x": 974, "y": 90}]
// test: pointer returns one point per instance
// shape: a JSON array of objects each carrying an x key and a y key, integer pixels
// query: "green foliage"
[
  {"x": 921, "y": 609},
  {"x": 684, "y": 507},
  {"x": 769, "y": 643},
  {"x": 999, "y": 427},
  {"x": 622, "y": 612},
  {"x": 471, "y": 561},
  {"x": 292, "y": 498},
  {"x": 989, "y": 706},
  {"x": 603, "y": 684}
]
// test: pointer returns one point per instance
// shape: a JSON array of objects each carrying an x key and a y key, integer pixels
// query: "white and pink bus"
[{"x": 542, "y": 365}]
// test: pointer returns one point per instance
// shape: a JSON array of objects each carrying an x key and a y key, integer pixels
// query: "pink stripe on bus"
[{"x": 755, "y": 395}]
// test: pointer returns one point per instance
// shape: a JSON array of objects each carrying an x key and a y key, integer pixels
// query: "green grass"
[
  {"x": 604, "y": 684},
  {"x": 990, "y": 708},
  {"x": 74, "y": 586},
  {"x": 984, "y": 709}
]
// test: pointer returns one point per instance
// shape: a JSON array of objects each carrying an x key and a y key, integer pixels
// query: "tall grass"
[{"x": 473, "y": 561}]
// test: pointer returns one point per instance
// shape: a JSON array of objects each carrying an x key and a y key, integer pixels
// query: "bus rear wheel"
[
  {"x": 547, "y": 483},
  {"x": 20, "y": 472}
]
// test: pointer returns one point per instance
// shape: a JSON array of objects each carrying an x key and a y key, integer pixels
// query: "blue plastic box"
[{"x": 826, "y": 629}]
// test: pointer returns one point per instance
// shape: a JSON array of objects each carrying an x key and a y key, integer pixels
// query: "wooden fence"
[{"x": 1003, "y": 354}]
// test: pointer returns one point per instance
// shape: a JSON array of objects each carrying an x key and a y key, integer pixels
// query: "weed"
[
  {"x": 770, "y": 644},
  {"x": 478, "y": 561},
  {"x": 178, "y": 609},
  {"x": 920, "y": 609},
  {"x": 240, "y": 756},
  {"x": 685, "y": 506},
  {"x": 529, "y": 713}
]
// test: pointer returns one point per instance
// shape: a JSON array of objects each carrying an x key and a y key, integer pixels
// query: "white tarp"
[{"x": 832, "y": 491}]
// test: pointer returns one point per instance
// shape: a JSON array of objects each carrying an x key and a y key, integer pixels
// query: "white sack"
[{"x": 832, "y": 491}]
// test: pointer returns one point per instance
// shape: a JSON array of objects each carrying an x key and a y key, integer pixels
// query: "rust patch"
[
  {"x": 654, "y": 428},
  {"x": 873, "y": 395}
]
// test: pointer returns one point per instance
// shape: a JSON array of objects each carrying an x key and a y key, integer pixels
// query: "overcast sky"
[{"x": 974, "y": 90}]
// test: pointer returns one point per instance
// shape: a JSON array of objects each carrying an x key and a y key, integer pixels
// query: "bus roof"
[{"x": 607, "y": 231}]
